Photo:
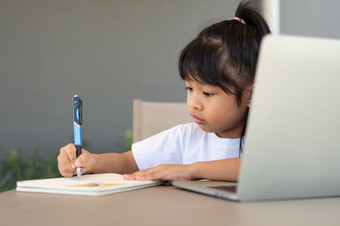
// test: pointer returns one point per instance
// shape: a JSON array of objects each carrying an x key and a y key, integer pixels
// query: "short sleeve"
[{"x": 163, "y": 148}]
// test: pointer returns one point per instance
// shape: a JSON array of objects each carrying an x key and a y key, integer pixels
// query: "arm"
[
  {"x": 114, "y": 162},
  {"x": 224, "y": 170},
  {"x": 94, "y": 163}
]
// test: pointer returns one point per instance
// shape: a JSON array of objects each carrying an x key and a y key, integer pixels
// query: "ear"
[{"x": 249, "y": 93}]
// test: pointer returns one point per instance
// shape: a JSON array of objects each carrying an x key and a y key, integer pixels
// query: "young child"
[{"x": 218, "y": 67}]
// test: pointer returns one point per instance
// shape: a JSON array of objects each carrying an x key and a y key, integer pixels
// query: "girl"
[{"x": 218, "y": 68}]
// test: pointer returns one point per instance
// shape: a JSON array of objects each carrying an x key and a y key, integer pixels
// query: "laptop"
[{"x": 292, "y": 145}]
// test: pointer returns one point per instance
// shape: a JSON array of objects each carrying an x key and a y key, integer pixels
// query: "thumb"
[
  {"x": 83, "y": 160},
  {"x": 78, "y": 162}
]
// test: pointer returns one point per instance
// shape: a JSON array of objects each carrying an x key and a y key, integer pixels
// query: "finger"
[
  {"x": 83, "y": 161},
  {"x": 129, "y": 176},
  {"x": 163, "y": 172},
  {"x": 70, "y": 150},
  {"x": 67, "y": 173},
  {"x": 132, "y": 176},
  {"x": 64, "y": 164},
  {"x": 148, "y": 174}
]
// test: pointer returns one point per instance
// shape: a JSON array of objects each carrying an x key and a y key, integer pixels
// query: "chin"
[{"x": 206, "y": 128}]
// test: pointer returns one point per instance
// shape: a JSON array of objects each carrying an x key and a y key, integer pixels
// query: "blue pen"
[{"x": 77, "y": 122}]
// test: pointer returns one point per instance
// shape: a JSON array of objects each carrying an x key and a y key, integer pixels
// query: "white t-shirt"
[{"x": 183, "y": 144}]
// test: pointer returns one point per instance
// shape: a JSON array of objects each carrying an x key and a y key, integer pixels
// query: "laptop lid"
[{"x": 291, "y": 148}]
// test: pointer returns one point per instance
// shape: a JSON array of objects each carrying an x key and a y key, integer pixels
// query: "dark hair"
[{"x": 225, "y": 53}]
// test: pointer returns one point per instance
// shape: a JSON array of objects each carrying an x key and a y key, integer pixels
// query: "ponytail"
[{"x": 251, "y": 17}]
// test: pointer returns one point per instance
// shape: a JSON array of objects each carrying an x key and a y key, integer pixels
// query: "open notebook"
[{"x": 90, "y": 184}]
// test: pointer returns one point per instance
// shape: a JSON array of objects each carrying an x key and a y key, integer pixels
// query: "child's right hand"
[{"x": 68, "y": 162}]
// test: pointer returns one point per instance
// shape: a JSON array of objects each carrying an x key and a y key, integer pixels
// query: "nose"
[{"x": 194, "y": 103}]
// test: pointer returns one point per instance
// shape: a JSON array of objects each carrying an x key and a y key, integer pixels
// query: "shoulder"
[
  {"x": 187, "y": 128},
  {"x": 187, "y": 133}
]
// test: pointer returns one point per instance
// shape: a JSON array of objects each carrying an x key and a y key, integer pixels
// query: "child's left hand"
[{"x": 164, "y": 172}]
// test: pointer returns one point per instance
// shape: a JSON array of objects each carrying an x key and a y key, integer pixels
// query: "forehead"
[{"x": 194, "y": 78}]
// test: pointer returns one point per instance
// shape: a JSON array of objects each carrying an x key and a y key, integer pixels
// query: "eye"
[
  {"x": 208, "y": 94},
  {"x": 188, "y": 89}
]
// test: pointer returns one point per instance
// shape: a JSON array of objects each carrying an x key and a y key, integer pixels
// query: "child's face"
[{"x": 216, "y": 111}]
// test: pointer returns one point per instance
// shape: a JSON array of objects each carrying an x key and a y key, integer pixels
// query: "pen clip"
[{"x": 77, "y": 110}]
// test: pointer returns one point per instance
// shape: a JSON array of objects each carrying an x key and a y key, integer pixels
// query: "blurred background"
[{"x": 110, "y": 52}]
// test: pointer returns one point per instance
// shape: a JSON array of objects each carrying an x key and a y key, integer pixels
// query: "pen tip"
[{"x": 78, "y": 173}]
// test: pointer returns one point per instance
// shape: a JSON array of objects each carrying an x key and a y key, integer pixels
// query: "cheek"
[
  {"x": 188, "y": 102},
  {"x": 219, "y": 114},
  {"x": 230, "y": 114}
]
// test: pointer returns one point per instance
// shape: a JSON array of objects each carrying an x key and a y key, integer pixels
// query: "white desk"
[{"x": 162, "y": 205}]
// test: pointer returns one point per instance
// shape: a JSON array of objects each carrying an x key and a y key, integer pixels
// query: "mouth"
[{"x": 197, "y": 119}]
